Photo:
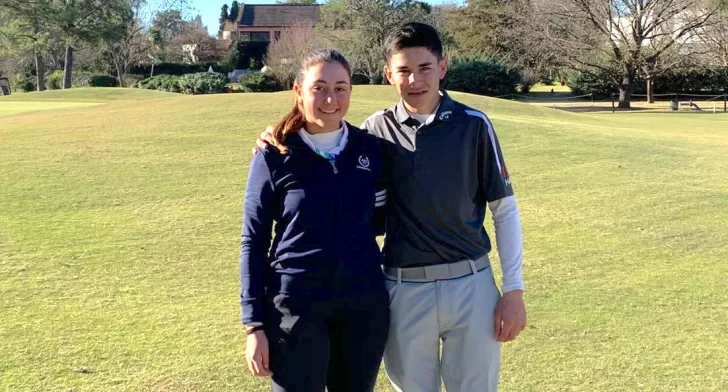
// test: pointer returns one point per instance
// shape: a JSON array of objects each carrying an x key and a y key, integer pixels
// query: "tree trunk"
[
  {"x": 39, "y": 72},
  {"x": 120, "y": 74},
  {"x": 625, "y": 91},
  {"x": 650, "y": 89},
  {"x": 68, "y": 69}
]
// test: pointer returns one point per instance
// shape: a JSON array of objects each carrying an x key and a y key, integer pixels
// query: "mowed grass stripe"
[
  {"x": 12, "y": 108},
  {"x": 120, "y": 229}
]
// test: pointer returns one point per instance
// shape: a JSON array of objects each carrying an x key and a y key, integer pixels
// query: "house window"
[
  {"x": 257, "y": 36},
  {"x": 260, "y": 36}
]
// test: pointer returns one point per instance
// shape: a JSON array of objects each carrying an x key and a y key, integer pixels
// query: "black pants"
[{"x": 334, "y": 344}]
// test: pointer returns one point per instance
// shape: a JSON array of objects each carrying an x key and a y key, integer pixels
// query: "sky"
[{"x": 210, "y": 9}]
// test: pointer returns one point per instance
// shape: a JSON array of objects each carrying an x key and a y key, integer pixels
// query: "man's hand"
[
  {"x": 510, "y": 316},
  {"x": 264, "y": 140},
  {"x": 256, "y": 354}
]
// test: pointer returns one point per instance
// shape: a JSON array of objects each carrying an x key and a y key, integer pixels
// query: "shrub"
[
  {"x": 529, "y": 77},
  {"x": 203, "y": 83},
  {"x": 259, "y": 82},
  {"x": 244, "y": 55},
  {"x": 359, "y": 79},
  {"x": 197, "y": 83},
  {"x": 683, "y": 81},
  {"x": 712, "y": 80},
  {"x": 54, "y": 80},
  {"x": 583, "y": 83},
  {"x": 161, "y": 82},
  {"x": 178, "y": 69},
  {"x": 81, "y": 79},
  {"x": 131, "y": 80},
  {"x": 103, "y": 81},
  {"x": 22, "y": 83},
  {"x": 481, "y": 76}
]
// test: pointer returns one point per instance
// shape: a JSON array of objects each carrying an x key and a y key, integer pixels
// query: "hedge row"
[
  {"x": 702, "y": 81},
  {"x": 259, "y": 82},
  {"x": 54, "y": 80},
  {"x": 178, "y": 69},
  {"x": 481, "y": 76},
  {"x": 195, "y": 83}
]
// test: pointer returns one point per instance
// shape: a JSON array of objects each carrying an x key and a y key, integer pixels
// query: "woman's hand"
[{"x": 256, "y": 353}]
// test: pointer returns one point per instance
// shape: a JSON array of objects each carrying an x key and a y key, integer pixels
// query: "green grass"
[
  {"x": 543, "y": 88},
  {"x": 16, "y": 107},
  {"x": 119, "y": 230},
  {"x": 98, "y": 94},
  {"x": 74, "y": 98}
]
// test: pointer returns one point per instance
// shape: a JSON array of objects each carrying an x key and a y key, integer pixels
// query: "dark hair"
[
  {"x": 295, "y": 120},
  {"x": 413, "y": 35}
]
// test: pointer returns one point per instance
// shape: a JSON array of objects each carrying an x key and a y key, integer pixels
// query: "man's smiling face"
[{"x": 416, "y": 73}]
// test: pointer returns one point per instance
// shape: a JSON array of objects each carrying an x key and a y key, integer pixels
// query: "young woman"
[{"x": 314, "y": 304}]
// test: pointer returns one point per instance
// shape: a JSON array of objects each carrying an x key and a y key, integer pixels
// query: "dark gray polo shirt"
[{"x": 442, "y": 175}]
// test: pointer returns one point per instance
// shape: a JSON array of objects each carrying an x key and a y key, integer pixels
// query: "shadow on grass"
[
  {"x": 546, "y": 97},
  {"x": 682, "y": 111},
  {"x": 590, "y": 109}
]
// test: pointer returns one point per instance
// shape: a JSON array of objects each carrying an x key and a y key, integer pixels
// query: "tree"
[
  {"x": 477, "y": 27},
  {"x": 224, "y": 15},
  {"x": 490, "y": 29},
  {"x": 285, "y": 55},
  {"x": 360, "y": 27},
  {"x": 169, "y": 23},
  {"x": 619, "y": 39},
  {"x": 195, "y": 36},
  {"x": 86, "y": 21},
  {"x": 25, "y": 34},
  {"x": 234, "y": 11},
  {"x": 141, "y": 39},
  {"x": 134, "y": 48},
  {"x": 714, "y": 38},
  {"x": 232, "y": 59}
]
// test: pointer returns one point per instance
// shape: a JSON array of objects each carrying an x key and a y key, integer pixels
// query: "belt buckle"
[{"x": 437, "y": 272}]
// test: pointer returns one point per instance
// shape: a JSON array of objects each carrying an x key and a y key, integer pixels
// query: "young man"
[{"x": 446, "y": 166}]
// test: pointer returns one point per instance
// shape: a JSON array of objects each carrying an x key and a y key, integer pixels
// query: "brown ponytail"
[
  {"x": 292, "y": 122},
  {"x": 295, "y": 119}
]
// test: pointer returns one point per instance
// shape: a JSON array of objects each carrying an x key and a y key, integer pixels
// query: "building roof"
[{"x": 283, "y": 15}]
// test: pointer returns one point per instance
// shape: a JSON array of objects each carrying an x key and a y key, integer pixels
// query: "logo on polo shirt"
[
  {"x": 506, "y": 176},
  {"x": 445, "y": 115},
  {"x": 363, "y": 163}
]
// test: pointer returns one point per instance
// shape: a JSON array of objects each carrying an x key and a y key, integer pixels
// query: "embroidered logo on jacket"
[
  {"x": 363, "y": 163},
  {"x": 445, "y": 115}
]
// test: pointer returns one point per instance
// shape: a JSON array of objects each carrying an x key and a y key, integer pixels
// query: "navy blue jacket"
[{"x": 324, "y": 244}]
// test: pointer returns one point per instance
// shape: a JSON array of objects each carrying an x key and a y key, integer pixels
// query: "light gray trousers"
[{"x": 457, "y": 313}]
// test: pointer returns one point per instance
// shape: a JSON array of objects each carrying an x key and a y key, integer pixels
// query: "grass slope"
[
  {"x": 74, "y": 98},
  {"x": 90, "y": 94},
  {"x": 120, "y": 224}
]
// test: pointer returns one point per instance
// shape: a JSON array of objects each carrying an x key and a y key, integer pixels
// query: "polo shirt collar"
[{"x": 443, "y": 111}]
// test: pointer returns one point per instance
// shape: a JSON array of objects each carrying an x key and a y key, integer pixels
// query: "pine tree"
[
  {"x": 224, "y": 12},
  {"x": 234, "y": 9}
]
